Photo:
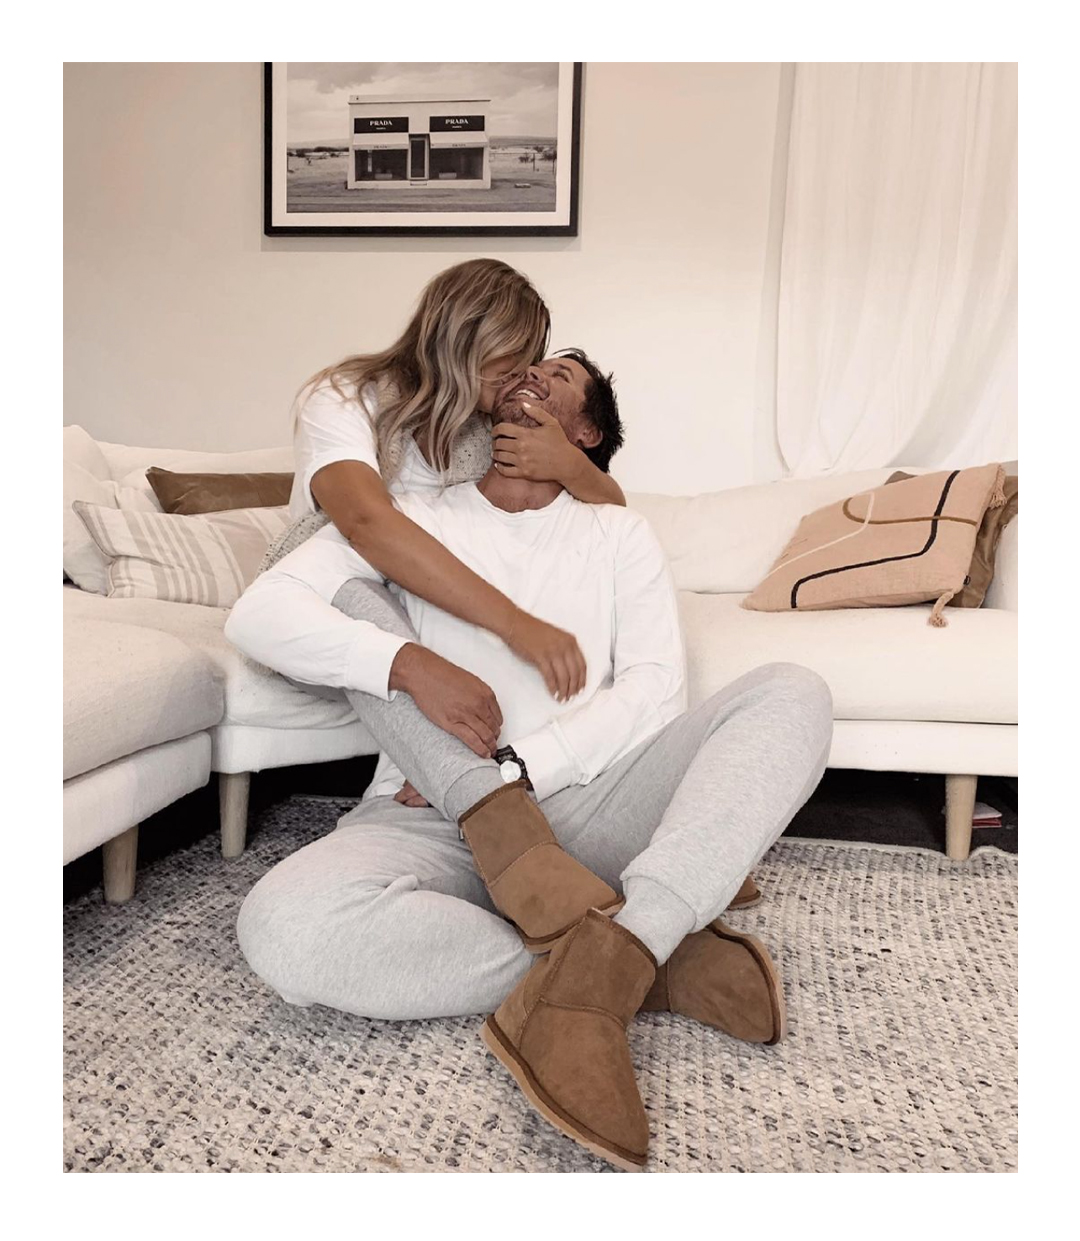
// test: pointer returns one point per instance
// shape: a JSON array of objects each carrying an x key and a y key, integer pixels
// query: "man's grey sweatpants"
[{"x": 387, "y": 917}]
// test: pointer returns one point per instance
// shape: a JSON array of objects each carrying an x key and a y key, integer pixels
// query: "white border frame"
[{"x": 278, "y": 217}]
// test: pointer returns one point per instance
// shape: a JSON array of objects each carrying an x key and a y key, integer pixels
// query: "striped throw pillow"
[{"x": 208, "y": 559}]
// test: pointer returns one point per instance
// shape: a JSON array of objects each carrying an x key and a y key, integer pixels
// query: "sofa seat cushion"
[
  {"x": 880, "y": 663},
  {"x": 127, "y": 688},
  {"x": 253, "y": 694}
]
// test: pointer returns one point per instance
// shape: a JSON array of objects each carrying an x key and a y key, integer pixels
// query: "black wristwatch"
[{"x": 512, "y": 766}]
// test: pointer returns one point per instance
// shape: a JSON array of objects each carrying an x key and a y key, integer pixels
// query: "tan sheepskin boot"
[
  {"x": 749, "y": 894},
  {"x": 724, "y": 979},
  {"x": 532, "y": 880},
  {"x": 562, "y": 1034}
]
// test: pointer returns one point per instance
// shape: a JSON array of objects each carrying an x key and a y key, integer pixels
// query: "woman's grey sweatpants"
[{"x": 387, "y": 917}]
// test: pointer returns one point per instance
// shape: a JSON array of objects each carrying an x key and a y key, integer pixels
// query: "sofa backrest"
[
  {"x": 125, "y": 461},
  {"x": 724, "y": 542},
  {"x": 721, "y": 542},
  {"x": 1004, "y": 589}
]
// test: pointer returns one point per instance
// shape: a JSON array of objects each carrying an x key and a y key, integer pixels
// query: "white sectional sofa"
[{"x": 908, "y": 697}]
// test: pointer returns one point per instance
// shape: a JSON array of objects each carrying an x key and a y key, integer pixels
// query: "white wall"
[{"x": 186, "y": 327}]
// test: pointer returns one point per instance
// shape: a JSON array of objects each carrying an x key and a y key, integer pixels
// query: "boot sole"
[
  {"x": 776, "y": 991},
  {"x": 539, "y": 946},
  {"x": 501, "y": 1048},
  {"x": 754, "y": 900}
]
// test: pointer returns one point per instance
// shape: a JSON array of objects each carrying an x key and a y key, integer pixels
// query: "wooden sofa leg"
[
  {"x": 118, "y": 857},
  {"x": 233, "y": 795},
  {"x": 959, "y": 807}
]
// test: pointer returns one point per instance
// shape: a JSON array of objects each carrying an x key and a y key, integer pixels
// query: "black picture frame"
[{"x": 273, "y": 150}]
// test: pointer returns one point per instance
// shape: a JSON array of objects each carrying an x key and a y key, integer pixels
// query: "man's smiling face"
[{"x": 556, "y": 385}]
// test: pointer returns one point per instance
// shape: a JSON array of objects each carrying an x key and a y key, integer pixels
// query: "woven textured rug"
[{"x": 899, "y": 970}]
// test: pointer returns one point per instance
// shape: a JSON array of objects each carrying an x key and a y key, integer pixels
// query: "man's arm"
[
  {"x": 649, "y": 688},
  {"x": 286, "y": 620}
]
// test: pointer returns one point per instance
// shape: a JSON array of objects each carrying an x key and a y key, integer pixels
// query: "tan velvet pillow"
[
  {"x": 192, "y": 494},
  {"x": 906, "y": 543},
  {"x": 981, "y": 570}
]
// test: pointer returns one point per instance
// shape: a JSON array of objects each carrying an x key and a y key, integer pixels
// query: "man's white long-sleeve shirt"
[{"x": 596, "y": 571}]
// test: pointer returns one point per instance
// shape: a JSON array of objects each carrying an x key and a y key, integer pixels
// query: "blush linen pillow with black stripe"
[
  {"x": 905, "y": 543},
  {"x": 208, "y": 559}
]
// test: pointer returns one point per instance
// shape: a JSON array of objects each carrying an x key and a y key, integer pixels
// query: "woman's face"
[{"x": 495, "y": 375}]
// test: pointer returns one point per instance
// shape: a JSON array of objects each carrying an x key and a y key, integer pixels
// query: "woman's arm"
[
  {"x": 356, "y": 501},
  {"x": 286, "y": 620},
  {"x": 588, "y": 483},
  {"x": 544, "y": 454}
]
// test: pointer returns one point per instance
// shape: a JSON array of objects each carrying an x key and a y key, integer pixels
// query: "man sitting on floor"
[{"x": 610, "y": 831}]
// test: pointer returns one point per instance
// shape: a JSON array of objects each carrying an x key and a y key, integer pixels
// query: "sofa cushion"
[
  {"x": 906, "y": 543},
  {"x": 1004, "y": 588},
  {"x": 127, "y": 688},
  {"x": 254, "y": 695},
  {"x": 880, "y": 663},
  {"x": 981, "y": 570},
  {"x": 128, "y": 463},
  {"x": 81, "y": 449},
  {"x": 84, "y": 562},
  {"x": 727, "y": 541},
  {"x": 208, "y": 559}
]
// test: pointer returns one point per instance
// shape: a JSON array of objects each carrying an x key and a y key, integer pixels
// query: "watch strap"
[{"x": 507, "y": 753}]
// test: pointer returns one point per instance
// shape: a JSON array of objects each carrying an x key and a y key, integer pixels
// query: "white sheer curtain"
[{"x": 896, "y": 316}]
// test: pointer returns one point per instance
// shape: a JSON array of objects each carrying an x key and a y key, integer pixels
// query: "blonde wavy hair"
[{"x": 428, "y": 381}]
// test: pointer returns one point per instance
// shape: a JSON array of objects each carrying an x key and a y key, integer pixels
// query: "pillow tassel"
[
  {"x": 997, "y": 496},
  {"x": 936, "y": 618}
]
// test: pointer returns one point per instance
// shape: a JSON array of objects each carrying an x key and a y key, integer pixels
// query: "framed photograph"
[{"x": 421, "y": 149}]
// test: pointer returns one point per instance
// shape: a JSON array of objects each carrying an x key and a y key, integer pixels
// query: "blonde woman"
[{"x": 412, "y": 417}]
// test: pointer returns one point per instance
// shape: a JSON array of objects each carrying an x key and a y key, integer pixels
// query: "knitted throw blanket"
[{"x": 470, "y": 459}]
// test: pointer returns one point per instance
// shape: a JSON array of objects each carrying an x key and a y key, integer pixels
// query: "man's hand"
[
  {"x": 450, "y": 697},
  {"x": 541, "y": 454},
  {"x": 408, "y": 796}
]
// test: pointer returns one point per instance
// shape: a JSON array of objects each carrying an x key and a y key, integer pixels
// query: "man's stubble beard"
[{"x": 512, "y": 412}]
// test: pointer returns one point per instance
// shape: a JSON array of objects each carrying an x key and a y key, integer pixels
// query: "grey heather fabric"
[
  {"x": 448, "y": 774},
  {"x": 470, "y": 455},
  {"x": 289, "y": 539},
  {"x": 387, "y": 917}
]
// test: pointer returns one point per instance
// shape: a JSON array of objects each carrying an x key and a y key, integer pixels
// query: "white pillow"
[
  {"x": 83, "y": 560},
  {"x": 184, "y": 462},
  {"x": 137, "y": 481},
  {"x": 725, "y": 542},
  {"x": 208, "y": 559},
  {"x": 125, "y": 459},
  {"x": 81, "y": 449}
]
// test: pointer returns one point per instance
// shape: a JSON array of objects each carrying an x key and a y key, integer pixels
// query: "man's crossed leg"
[{"x": 388, "y": 917}]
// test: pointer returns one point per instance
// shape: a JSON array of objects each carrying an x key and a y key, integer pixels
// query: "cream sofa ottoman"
[
  {"x": 138, "y": 705},
  {"x": 266, "y": 721}
]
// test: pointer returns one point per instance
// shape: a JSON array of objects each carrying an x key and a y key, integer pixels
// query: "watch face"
[{"x": 510, "y": 771}]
